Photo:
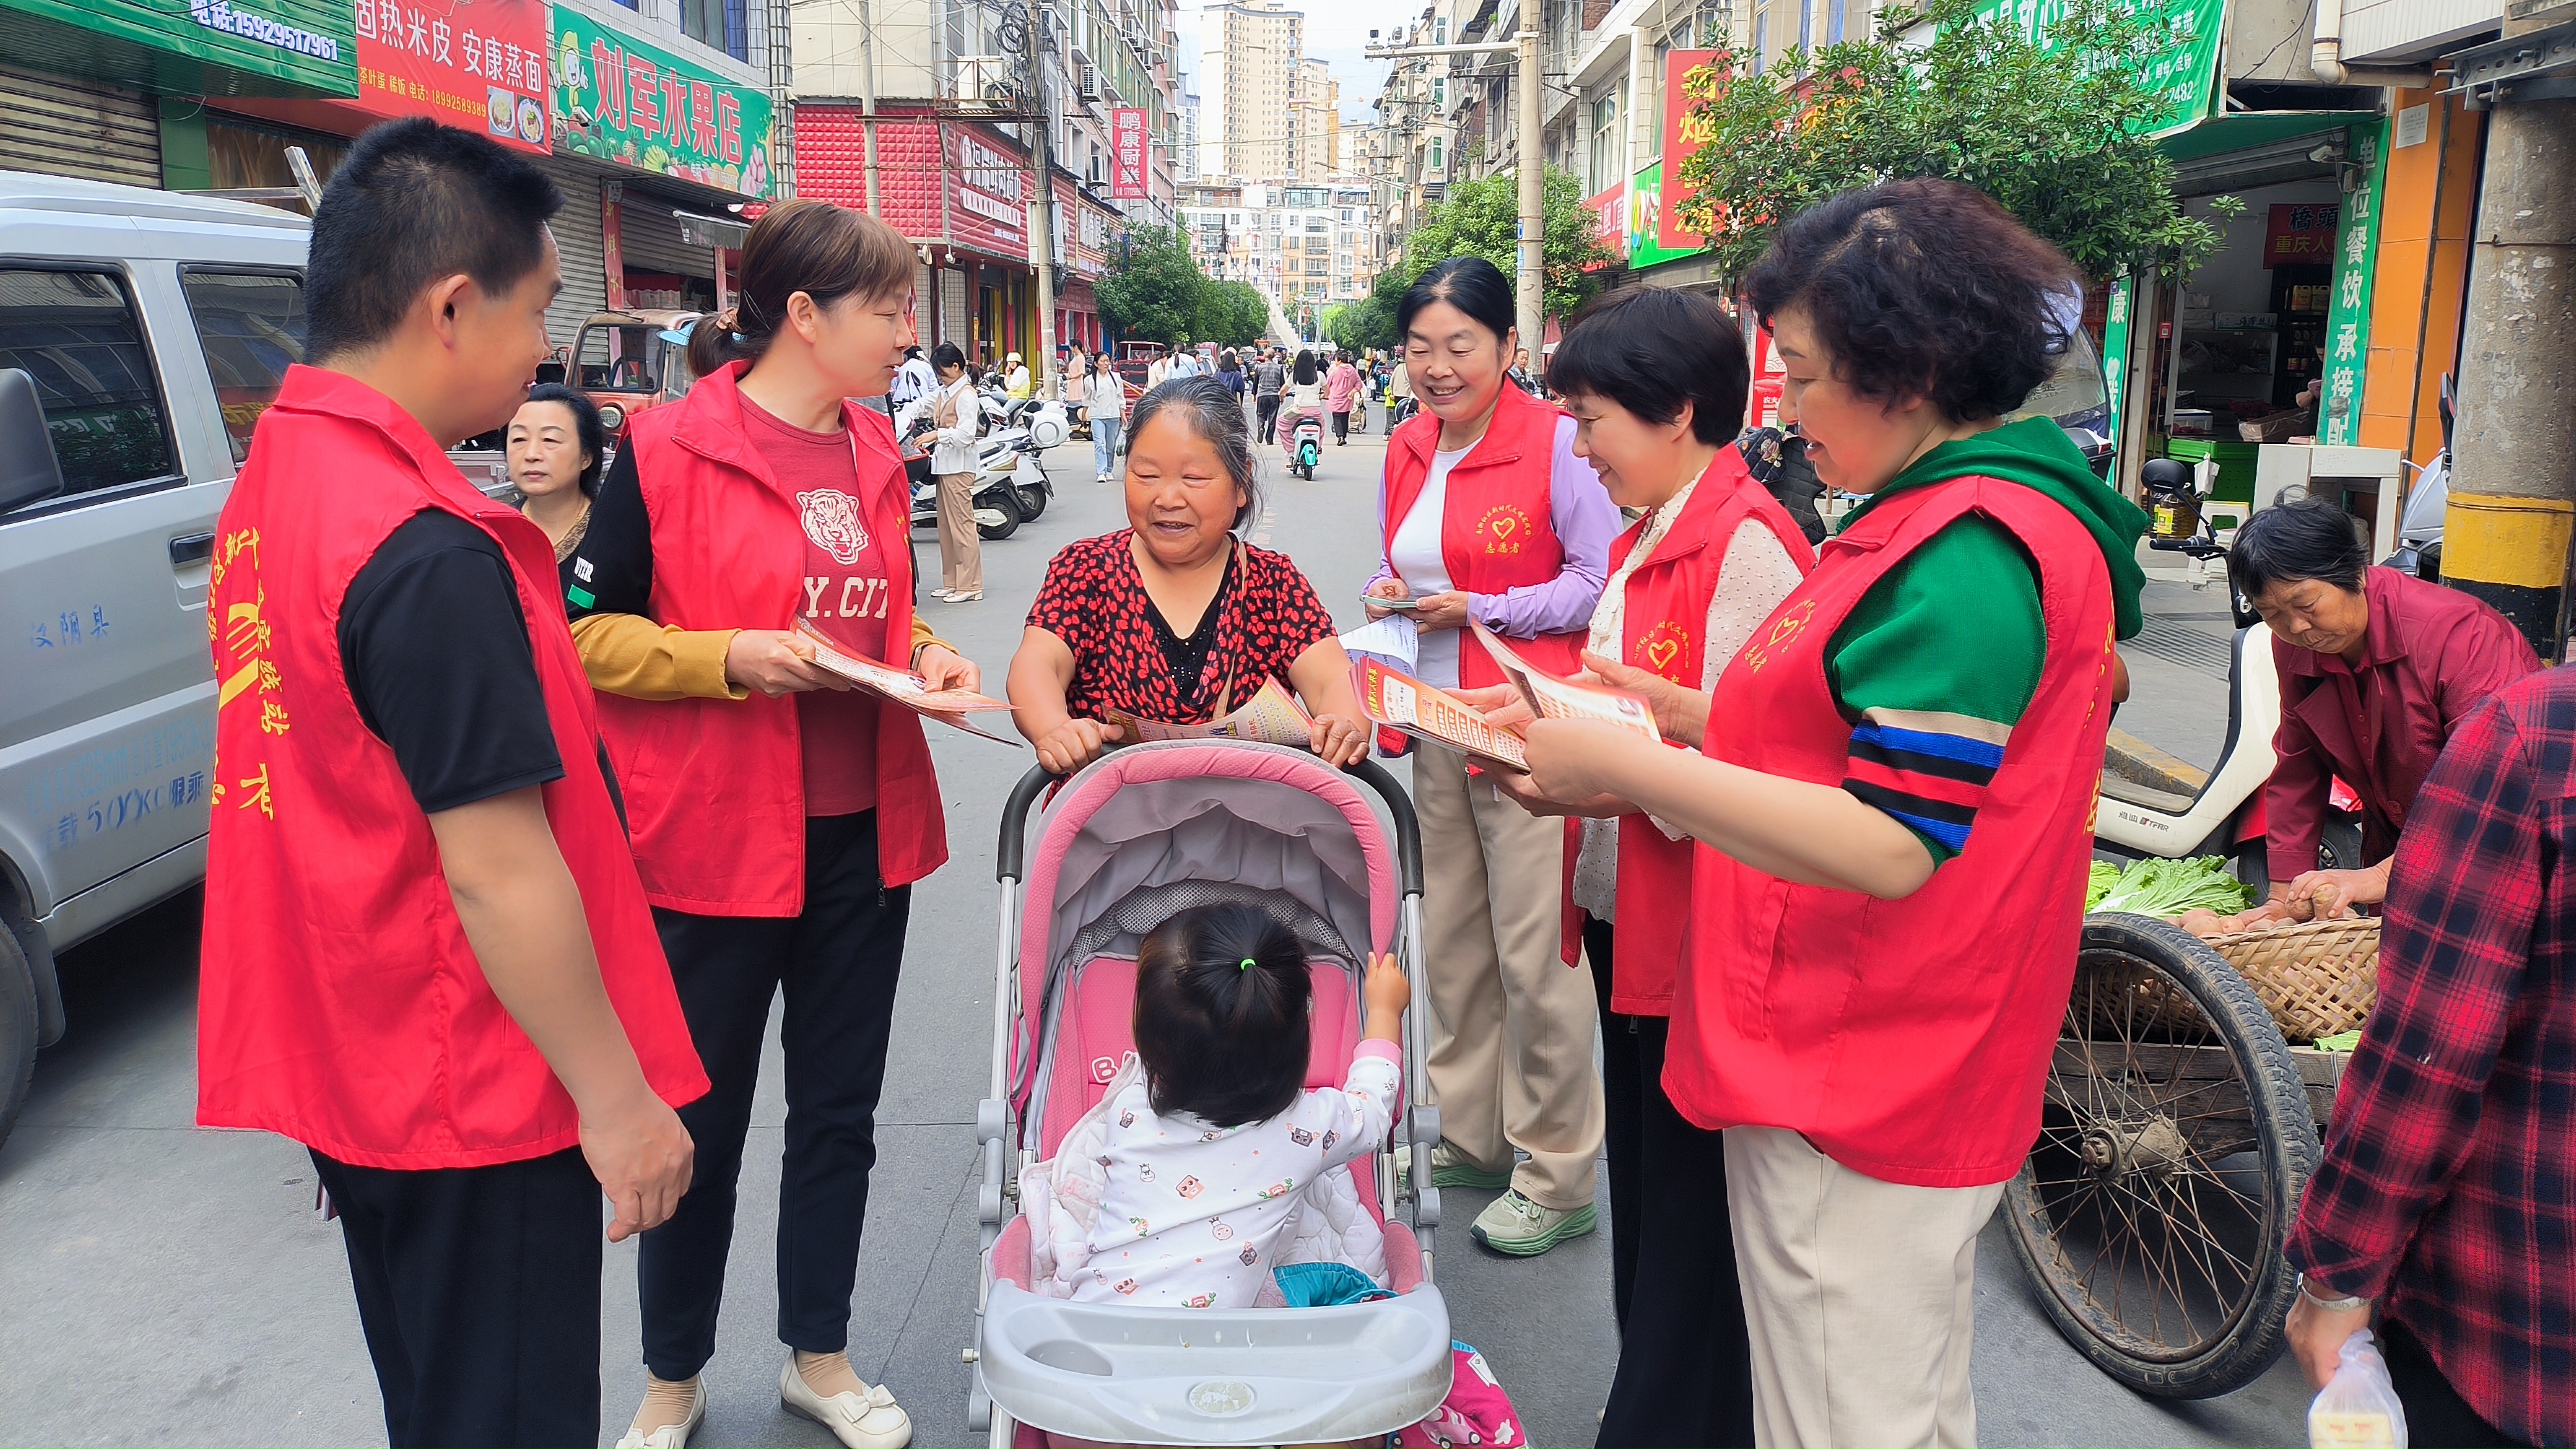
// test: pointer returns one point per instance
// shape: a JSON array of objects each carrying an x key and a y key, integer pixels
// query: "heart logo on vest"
[
  {"x": 831, "y": 519},
  {"x": 1661, "y": 648},
  {"x": 1506, "y": 529},
  {"x": 1786, "y": 626}
]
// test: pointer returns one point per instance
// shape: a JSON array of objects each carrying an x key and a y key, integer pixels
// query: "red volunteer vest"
[
  {"x": 340, "y": 1004},
  {"x": 1665, "y": 623},
  {"x": 1907, "y": 1039},
  {"x": 715, "y": 788},
  {"x": 1496, "y": 531}
]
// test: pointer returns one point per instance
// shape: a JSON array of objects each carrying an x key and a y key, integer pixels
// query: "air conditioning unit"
[{"x": 1088, "y": 88}]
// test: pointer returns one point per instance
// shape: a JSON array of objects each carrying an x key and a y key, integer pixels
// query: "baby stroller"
[{"x": 1146, "y": 832}]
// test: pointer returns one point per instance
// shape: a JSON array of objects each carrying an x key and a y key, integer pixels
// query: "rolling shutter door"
[
  {"x": 652, "y": 239},
  {"x": 956, "y": 313},
  {"x": 584, "y": 255},
  {"x": 66, "y": 127}
]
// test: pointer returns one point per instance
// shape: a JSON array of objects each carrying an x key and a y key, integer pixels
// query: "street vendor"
[
  {"x": 2377, "y": 668},
  {"x": 1894, "y": 802}
]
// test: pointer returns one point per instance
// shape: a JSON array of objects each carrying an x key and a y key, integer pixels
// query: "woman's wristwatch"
[{"x": 2330, "y": 1305}]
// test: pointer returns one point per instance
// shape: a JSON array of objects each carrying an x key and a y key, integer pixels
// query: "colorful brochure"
[
  {"x": 1272, "y": 716},
  {"x": 1549, "y": 697},
  {"x": 948, "y": 706},
  {"x": 1400, "y": 701}
]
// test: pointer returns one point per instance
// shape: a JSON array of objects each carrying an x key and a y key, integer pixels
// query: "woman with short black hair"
[
  {"x": 1896, "y": 793},
  {"x": 2405, "y": 659},
  {"x": 557, "y": 447}
]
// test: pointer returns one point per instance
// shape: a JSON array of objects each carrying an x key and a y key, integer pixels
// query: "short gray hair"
[{"x": 1217, "y": 419}]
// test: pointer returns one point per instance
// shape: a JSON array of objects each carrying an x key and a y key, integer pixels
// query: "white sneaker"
[
  {"x": 862, "y": 1421},
  {"x": 672, "y": 1436}
]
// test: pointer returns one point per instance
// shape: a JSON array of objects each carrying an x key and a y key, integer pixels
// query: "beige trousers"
[
  {"x": 1512, "y": 1025},
  {"x": 1861, "y": 1296},
  {"x": 961, "y": 548}
]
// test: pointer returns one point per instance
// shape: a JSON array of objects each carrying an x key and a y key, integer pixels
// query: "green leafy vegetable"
[
  {"x": 2105, "y": 876},
  {"x": 2168, "y": 888},
  {"x": 2342, "y": 1041}
]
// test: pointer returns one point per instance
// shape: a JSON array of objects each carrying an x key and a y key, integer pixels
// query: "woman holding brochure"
[
  {"x": 1894, "y": 802},
  {"x": 1487, "y": 513},
  {"x": 1656, "y": 381},
  {"x": 1172, "y": 619},
  {"x": 779, "y": 816}
]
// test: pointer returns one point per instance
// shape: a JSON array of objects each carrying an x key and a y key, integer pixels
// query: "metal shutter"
[
  {"x": 956, "y": 313},
  {"x": 585, "y": 263},
  {"x": 652, "y": 242},
  {"x": 66, "y": 127}
]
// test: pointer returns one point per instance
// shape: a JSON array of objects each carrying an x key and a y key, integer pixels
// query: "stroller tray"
[{"x": 1129, "y": 1375}]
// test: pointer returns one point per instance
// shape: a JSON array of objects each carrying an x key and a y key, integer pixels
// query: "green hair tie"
[{"x": 1247, "y": 963}]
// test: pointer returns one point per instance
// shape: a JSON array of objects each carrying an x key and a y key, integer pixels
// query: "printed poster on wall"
[
  {"x": 1127, "y": 154},
  {"x": 478, "y": 64},
  {"x": 619, "y": 99},
  {"x": 1645, "y": 221},
  {"x": 1683, "y": 136}
]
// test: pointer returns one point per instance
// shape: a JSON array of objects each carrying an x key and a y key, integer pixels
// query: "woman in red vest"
[
  {"x": 1895, "y": 799},
  {"x": 779, "y": 817},
  {"x": 1656, "y": 381},
  {"x": 1486, "y": 512}
]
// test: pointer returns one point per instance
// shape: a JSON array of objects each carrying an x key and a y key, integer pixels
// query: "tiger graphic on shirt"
[{"x": 832, "y": 521}]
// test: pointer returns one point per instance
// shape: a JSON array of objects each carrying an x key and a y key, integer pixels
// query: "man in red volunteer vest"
[
  {"x": 1894, "y": 806},
  {"x": 427, "y": 954}
]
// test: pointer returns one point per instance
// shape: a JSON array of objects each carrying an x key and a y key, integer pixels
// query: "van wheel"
[{"x": 17, "y": 1031}]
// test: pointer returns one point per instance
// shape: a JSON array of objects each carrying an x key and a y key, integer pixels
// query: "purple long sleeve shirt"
[{"x": 1585, "y": 520}]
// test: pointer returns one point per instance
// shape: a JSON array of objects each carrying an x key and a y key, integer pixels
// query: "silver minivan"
[{"x": 141, "y": 335}]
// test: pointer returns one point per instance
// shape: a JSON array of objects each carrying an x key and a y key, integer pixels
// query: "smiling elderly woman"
[{"x": 1173, "y": 618}]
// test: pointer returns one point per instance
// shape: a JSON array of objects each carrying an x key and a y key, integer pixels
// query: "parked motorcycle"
[{"x": 2419, "y": 528}]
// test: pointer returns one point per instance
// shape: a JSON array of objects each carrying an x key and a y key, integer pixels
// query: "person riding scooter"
[{"x": 2376, "y": 671}]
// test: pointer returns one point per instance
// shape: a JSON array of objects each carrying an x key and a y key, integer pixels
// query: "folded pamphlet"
[
  {"x": 1401, "y": 702},
  {"x": 1272, "y": 716},
  {"x": 1394, "y": 640},
  {"x": 1549, "y": 697},
  {"x": 948, "y": 706}
]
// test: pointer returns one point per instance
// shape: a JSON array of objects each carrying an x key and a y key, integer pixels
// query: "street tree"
[
  {"x": 1156, "y": 291},
  {"x": 1231, "y": 314},
  {"x": 2053, "y": 131},
  {"x": 1482, "y": 218}
]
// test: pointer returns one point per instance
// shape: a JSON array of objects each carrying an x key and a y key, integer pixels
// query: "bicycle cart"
[{"x": 2181, "y": 1121}]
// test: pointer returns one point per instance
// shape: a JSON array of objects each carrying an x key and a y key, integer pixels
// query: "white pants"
[{"x": 1861, "y": 1297}]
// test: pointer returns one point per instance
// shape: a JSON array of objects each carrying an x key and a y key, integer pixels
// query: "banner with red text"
[{"x": 478, "y": 64}]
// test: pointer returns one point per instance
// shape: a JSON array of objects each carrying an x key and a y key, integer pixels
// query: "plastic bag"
[{"x": 2358, "y": 1408}]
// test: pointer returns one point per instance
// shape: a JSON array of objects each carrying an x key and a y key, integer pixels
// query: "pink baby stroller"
[{"x": 1143, "y": 833}]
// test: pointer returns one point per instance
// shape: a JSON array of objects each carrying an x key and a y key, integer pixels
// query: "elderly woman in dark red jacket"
[{"x": 2376, "y": 670}]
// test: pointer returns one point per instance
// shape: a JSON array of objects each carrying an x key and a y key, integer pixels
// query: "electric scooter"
[{"x": 1306, "y": 446}]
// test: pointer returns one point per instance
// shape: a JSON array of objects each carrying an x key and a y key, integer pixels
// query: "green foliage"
[
  {"x": 2051, "y": 134},
  {"x": 1156, "y": 290},
  {"x": 1231, "y": 314},
  {"x": 1362, "y": 325},
  {"x": 1482, "y": 218}
]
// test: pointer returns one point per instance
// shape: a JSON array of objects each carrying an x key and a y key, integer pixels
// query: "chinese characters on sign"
[
  {"x": 1684, "y": 134},
  {"x": 621, "y": 100},
  {"x": 2300, "y": 232},
  {"x": 1127, "y": 154},
  {"x": 480, "y": 64},
  {"x": 988, "y": 207},
  {"x": 2356, "y": 250},
  {"x": 2181, "y": 60}
]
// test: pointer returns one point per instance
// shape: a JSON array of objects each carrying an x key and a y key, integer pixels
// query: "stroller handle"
[{"x": 1009, "y": 854}]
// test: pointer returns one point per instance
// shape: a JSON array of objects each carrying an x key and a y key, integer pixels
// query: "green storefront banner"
[
  {"x": 1645, "y": 211},
  {"x": 653, "y": 111},
  {"x": 2115, "y": 348},
  {"x": 2181, "y": 60},
  {"x": 239, "y": 47},
  {"x": 2356, "y": 257}
]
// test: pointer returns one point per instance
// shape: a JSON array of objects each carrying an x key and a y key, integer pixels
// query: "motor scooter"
[
  {"x": 1306, "y": 445},
  {"x": 1001, "y": 465},
  {"x": 2419, "y": 528}
]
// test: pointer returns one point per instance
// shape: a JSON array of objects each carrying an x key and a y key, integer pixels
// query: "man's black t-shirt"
[{"x": 436, "y": 654}]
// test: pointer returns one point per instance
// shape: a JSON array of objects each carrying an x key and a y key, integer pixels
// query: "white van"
[{"x": 141, "y": 335}]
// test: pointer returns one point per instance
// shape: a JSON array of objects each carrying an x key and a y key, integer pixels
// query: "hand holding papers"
[
  {"x": 1272, "y": 716},
  {"x": 948, "y": 706}
]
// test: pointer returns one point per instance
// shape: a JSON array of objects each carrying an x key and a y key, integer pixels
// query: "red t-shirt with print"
[{"x": 845, "y": 600}]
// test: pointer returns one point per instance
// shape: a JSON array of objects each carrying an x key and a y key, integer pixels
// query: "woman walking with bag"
[
  {"x": 1486, "y": 512},
  {"x": 779, "y": 818}
]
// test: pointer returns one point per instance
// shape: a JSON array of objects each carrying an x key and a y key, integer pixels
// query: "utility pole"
[
  {"x": 2512, "y": 509},
  {"x": 868, "y": 99},
  {"x": 1531, "y": 163},
  {"x": 1042, "y": 209}
]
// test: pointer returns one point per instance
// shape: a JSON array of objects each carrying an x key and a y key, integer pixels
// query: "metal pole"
[
  {"x": 1042, "y": 212},
  {"x": 868, "y": 98},
  {"x": 1533, "y": 178}
]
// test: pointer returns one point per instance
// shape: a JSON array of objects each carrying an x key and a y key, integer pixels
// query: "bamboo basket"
[{"x": 2318, "y": 978}]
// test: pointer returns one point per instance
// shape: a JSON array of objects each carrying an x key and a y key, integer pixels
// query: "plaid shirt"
[{"x": 2448, "y": 1190}]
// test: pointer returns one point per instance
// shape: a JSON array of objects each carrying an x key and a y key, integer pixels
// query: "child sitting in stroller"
[{"x": 1208, "y": 1149}]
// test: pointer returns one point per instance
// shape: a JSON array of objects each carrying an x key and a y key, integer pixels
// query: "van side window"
[
  {"x": 252, "y": 325},
  {"x": 77, "y": 334}
]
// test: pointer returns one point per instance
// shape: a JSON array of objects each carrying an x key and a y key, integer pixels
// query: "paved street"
[{"x": 165, "y": 1285}]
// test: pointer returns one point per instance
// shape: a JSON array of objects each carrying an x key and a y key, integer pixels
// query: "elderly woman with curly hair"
[{"x": 1894, "y": 802}]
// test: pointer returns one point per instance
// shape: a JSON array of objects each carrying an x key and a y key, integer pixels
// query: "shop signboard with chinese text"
[
  {"x": 2179, "y": 59},
  {"x": 478, "y": 64},
  {"x": 282, "y": 47},
  {"x": 988, "y": 194},
  {"x": 2356, "y": 256},
  {"x": 1610, "y": 223},
  {"x": 2301, "y": 232},
  {"x": 1645, "y": 221},
  {"x": 2117, "y": 312},
  {"x": 655, "y": 112},
  {"x": 1127, "y": 154},
  {"x": 1684, "y": 134}
]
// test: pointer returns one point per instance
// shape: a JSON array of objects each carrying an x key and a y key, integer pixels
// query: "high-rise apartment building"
[
  {"x": 1315, "y": 133},
  {"x": 1250, "y": 54}
]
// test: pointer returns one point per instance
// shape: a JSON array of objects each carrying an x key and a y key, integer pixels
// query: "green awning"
[{"x": 2244, "y": 130}]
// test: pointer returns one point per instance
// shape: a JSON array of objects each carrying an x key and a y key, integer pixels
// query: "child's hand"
[{"x": 1387, "y": 991}]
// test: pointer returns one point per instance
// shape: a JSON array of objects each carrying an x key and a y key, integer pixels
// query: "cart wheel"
[{"x": 2175, "y": 1140}]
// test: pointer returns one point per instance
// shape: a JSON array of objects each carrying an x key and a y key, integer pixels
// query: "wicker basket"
[{"x": 2317, "y": 978}]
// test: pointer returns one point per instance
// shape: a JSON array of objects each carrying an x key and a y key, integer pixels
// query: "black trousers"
[
  {"x": 1685, "y": 1357},
  {"x": 478, "y": 1288},
  {"x": 2436, "y": 1416},
  {"x": 838, "y": 964},
  {"x": 1267, "y": 405},
  {"x": 1341, "y": 427}
]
